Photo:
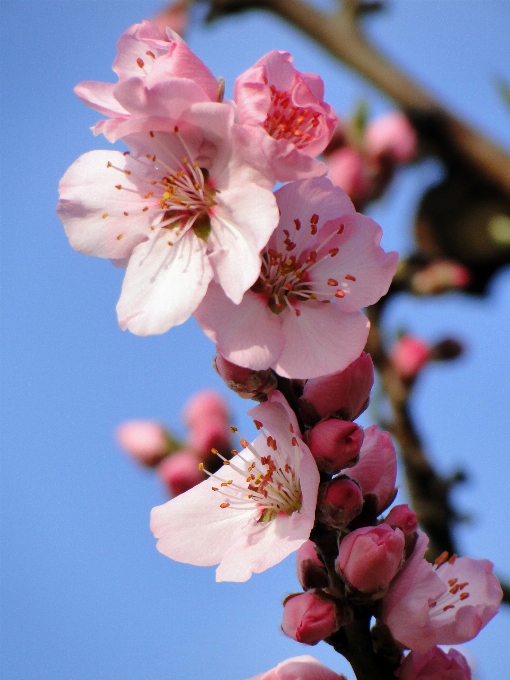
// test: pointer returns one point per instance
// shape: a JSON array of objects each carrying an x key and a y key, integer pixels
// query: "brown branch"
[{"x": 339, "y": 33}]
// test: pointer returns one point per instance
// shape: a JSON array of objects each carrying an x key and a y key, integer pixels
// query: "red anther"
[
  {"x": 297, "y": 312},
  {"x": 443, "y": 557},
  {"x": 118, "y": 186},
  {"x": 452, "y": 559},
  {"x": 257, "y": 424},
  {"x": 350, "y": 277},
  {"x": 332, "y": 282},
  {"x": 314, "y": 219},
  {"x": 145, "y": 209},
  {"x": 140, "y": 62},
  {"x": 334, "y": 251},
  {"x": 340, "y": 229},
  {"x": 312, "y": 257},
  {"x": 224, "y": 505},
  {"x": 291, "y": 427},
  {"x": 244, "y": 443},
  {"x": 126, "y": 153},
  {"x": 151, "y": 133},
  {"x": 150, "y": 54},
  {"x": 448, "y": 606},
  {"x": 286, "y": 232},
  {"x": 126, "y": 213},
  {"x": 298, "y": 224},
  {"x": 294, "y": 441},
  {"x": 463, "y": 596}
]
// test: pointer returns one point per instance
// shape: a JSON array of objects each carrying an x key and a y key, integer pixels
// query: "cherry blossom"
[
  {"x": 286, "y": 108},
  {"x": 155, "y": 72},
  {"x": 299, "y": 668},
  {"x": 183, "y": 208},
  {"x": 257, "y": 509},
  {"x": 436, "y": 664},
  {"x": 320, "y": 267},
  {"x": 443, "y": 604}
]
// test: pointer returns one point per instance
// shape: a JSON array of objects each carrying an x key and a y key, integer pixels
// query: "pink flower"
[
  {"x": 393, "y": 136},
  {"x": 335, "y": 444},
  {"x": 183, "y": 209},
  {"x": 319, "y": 268},
  {"x": 409, "y": 355},
  {"x": 299, "y": 668},
  {"x": 257, "y": 509},
  {"x": 205, "y": 405},
  {"x": 434, "y": 665},
  {"x": 309, "y": 617},
  {"x": 144, "y": 440},
  {"x": 158, "y": 75},
  {"x": 287, "y": 110},
  {"x": 448, "y": 604},
  {"x": 180, "y": 471},
  {"x": 370, "y": 557},
  {"x": 344, "y": 393},
  {"x": 376, "y": 470}
]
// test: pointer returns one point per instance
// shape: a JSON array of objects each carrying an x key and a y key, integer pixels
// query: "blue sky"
[{"x": 85, "y": 594}]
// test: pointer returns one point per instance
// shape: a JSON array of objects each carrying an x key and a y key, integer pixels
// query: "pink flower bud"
[
  {"x": 392, "y": 136},
  {"x": 174, "y": 16},
  {"x": 409, "y": 355},
  {"x": 339, "y": 502},
  {"x": 300, "y": 668},
  {"x": 209, "y": 433},
  {"x": 180, "y": 472},
  {"x": 434, "y": 665},
  {"x": 311, "y": 572},
  {"x": 369, "y": 557},
  {"x": 376, "y": 470},
  {"x": 245, "y": 382},
  {"x": 309, "y": 618},
  {"x": 335, "y": 444},
  {"x": 440, "y": 276},
  {"x": 344, "y": 393},
  {"x": 348, "y": 170},
  {"x": 203, "y": 405},
  {"x": 146, "y": 441},
  {"x": 404, "y": 518}
]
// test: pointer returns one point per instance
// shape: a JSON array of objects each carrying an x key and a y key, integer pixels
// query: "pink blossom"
[
  {"x": 339, "y": 502},
  {"x": 448, "y": 604},
  {"x": 404, "y": 518},
  {"x": 257, "y": 509},
  {"x": 369, "y": 557},
  {"x": 158, "y": 75},
  {"x": 145, "y": 440},
  {"x": 393, "y": 136},
  {"x": 335, "y": 444},
  {"x": 440, "y": 276},
  {"x": 286, "y": 108},
  {"x": 344, "y": 393},
  {"x": 309, "y": 617},
  {"x": 409, "y": 355},
  {"x": 183, "y": 209},
  {"x": 349, "y": 171},
  {"x": 319, "y": 268},
  {"x": 299, "y": 668},
  {"x": 436, "y": 664},
  {"x": 180, "y": 471},
  {"x": 376, "y": 470}
]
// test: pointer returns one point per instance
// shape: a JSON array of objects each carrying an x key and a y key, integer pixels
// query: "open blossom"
[
  {"x": 182, "y": 209},
  {"x": 300, "y": 668},
  {"x": 320, "y": 267},
  {"x": 436, "y": 664},
  {"x": 154, "y": 71},
  {"x": 286, "y": 109},
  {"x": 443, "y": 604},
  {"x": 257, "y": 509}
]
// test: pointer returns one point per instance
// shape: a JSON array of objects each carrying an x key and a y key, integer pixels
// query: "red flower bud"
[
  {"x": 335, "y": 444},
  {"x": 404, "y": 518},
  {"x": 309, "y": 618},
  {"x": 339, "y": 502}
]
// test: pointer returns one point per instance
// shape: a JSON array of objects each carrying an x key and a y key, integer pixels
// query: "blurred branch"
[
  {"x": 339, "y": 33},
  {"x": 429, "y": 492}
]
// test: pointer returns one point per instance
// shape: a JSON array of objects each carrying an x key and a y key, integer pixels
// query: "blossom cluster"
[{"x": 277, "y": 280}]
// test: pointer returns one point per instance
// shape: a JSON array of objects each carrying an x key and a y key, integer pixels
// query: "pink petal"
[
  {"x": 163, "y": 284},
  {"x": 321, "y": 340},
  {"x": 100, "y": 96}
]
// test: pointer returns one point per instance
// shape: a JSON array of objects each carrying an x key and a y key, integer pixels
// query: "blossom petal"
[{"x": 164, "y": 283}]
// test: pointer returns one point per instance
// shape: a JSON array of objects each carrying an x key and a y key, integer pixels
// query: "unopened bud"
[
  {"x": 344, "y": 393},
  {"x": 440, "y": 276},
  {"x": 204, "y": 405},
  {"x": 409, "y": 355},
  {"x": 339, "y": 502},
  {"x": 180, "y": 472},
  {"x": 391, "y": 136},
  {"x": 309, "y": 617},
  {"x": 404, "y": 518},
  {"x": 436, "y": 664},
  {"x": 369, "y": 558},
  {"x": 146, "y": 441},
  {"x": 335, "y": 444},
  {"x": 245, "y": 382},
  {"x": 311, "y": 572}
]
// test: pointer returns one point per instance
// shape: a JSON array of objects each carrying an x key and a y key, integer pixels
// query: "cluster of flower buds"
[
  {"x": 362, "y": 157},
  {"x": 176, "y": 462}
]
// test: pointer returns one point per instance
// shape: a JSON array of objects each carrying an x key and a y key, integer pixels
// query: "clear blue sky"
[{"x": 85, "y": 594}]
